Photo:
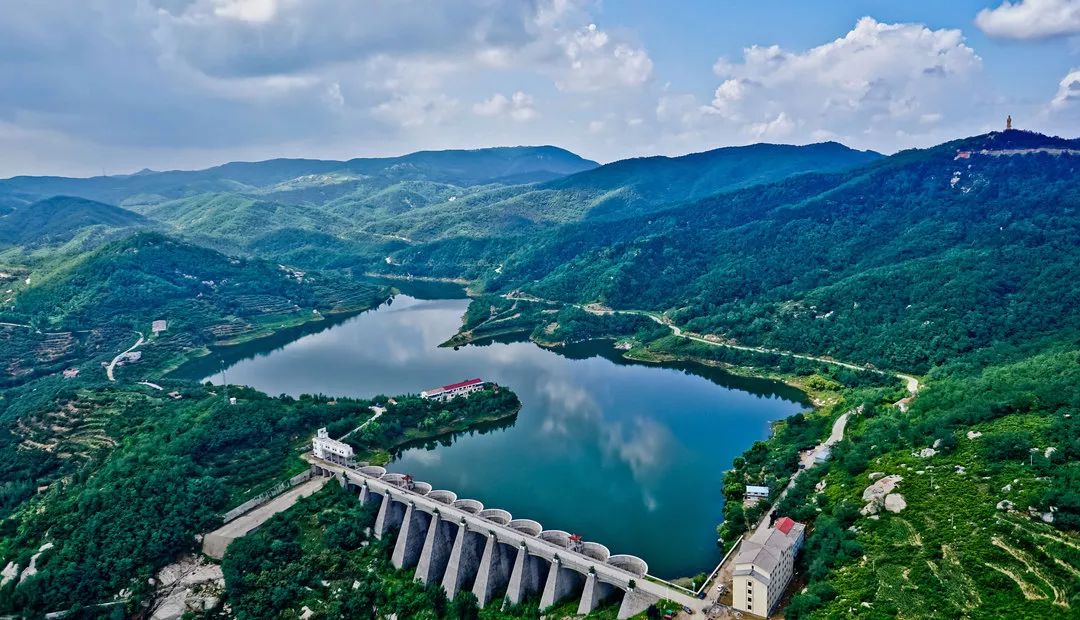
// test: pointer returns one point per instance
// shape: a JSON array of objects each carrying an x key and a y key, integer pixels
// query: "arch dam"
[{"x": 463, "y": 546}]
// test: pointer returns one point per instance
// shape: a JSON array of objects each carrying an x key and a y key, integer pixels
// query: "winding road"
[
  {"x": 910, "y": 382},
  {"x": 112, "y": 365}
]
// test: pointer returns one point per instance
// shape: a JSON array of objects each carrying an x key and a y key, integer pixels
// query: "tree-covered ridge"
[
  {"x": 136, "y": 279},
  {"x": 59, "y": 219},
  {"x": 85, "y": 309},
  {"x": 644, "y": 183},
  {"x": 904, "y": 264}
]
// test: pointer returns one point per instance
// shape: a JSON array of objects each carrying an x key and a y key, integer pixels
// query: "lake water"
[{"x": 629, "y": 455}]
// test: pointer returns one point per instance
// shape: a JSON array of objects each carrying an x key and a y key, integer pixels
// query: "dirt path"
[
  {"x": 112, "y": 365},
  {"x": 378, "y": 413}
]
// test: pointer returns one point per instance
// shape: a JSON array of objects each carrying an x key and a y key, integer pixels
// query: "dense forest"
[{"x": 905, "y": 264}]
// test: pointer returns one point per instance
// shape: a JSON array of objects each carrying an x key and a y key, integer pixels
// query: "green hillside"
[
  {"x": 59, "y": 219},
  {"x": 93, "y": 304},
  {"x": 904, "y": 264},
  {"x": 650, "y": 181}
]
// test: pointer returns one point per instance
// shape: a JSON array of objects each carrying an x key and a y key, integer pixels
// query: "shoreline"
[
  {"x": 377, "y": 457},
  {"x": 323, "y": 320}
]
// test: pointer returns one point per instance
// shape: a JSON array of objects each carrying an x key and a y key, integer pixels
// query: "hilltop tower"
[{"x": 1008, "y": 123}]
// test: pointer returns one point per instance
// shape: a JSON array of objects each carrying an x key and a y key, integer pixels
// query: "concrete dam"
[{"x": 463, "y": 546}]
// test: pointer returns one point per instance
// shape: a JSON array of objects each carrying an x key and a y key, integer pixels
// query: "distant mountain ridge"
[
  {"x": 659, "y": 179},
  {"x": 459, "y": 167}
]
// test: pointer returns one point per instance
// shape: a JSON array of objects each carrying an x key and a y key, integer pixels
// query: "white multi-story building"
[
  {"x": 330, "y": 449},
  {"x": 453, "y": 390},
  {"x": 765, "y": 565}
]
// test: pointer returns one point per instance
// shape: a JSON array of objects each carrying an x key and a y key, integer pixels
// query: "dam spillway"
[{"x": 464, "y": 546}]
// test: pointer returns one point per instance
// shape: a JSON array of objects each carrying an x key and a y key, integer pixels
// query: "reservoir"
[{"x": 626, "y": 454}]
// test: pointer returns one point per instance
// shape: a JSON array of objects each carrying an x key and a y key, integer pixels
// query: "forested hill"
[
  {"x": 520, "y": 164},
  {"x": 649, "y": 181},
  {"x": 61, "y": 218},
  {"x": 149, "y": 275},
  {"x": 920, "y": 257}
]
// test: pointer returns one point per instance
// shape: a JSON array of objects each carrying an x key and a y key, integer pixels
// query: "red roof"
[
  {"x": 454, "y": 386},
  {"x": 784, "y": 524}
]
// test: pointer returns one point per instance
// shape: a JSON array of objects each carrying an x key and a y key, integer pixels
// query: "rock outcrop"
[
  {"x": 875, "y": 495},
  {"x": 190, "y": 584}
]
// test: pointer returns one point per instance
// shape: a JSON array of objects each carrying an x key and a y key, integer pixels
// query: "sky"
[{"x": 114, "y": 86}]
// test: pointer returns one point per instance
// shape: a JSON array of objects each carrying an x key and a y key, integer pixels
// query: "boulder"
[
  {"x": 925, "y": 453},
  {"x": 875, "y": 475},
  {"x": 881, "y": 488},
  {"x": 973, "y": 434},
  {"x": 1005, "y": 505},
  {"x": 894, "y": 502}
]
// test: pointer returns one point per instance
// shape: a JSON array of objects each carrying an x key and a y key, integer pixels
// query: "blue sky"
[{"x": 92, "y": 86}]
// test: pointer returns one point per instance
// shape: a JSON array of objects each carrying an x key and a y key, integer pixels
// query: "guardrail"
[
  {"x": 266, "y": 496},
  {"x": 716, "y": 570}
]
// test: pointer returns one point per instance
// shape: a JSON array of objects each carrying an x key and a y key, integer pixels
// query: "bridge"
[{"x": 463, "y": 546}]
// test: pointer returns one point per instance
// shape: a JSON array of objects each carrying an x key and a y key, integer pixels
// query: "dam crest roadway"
[{"x": 462, "y": 546}]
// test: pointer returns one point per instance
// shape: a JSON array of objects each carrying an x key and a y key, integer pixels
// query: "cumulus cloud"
[
  {"x": 416, "y": 110},
  {"x": 596, "y": 62},
  {"x": 779, "y": 127},
  {"x": 875, "y": 82},
  {"x": 1068, "y": 94},
  {"x": 251, "y": 75},
  {"x": 1031, "y": 19},
  {"x": 518, "y": 106}
]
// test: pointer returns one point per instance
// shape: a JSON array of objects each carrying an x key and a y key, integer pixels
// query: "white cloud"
[
  {"x": 256, "y": 11},
  {"x": 1068, "y": 93},
  {"x": 779, "y": 127},
  {"x": 414, "y": 110},
  {"x": 518, "y": 106},
  {"x": 333, "y": 96},
  {"x": 594, "y": 62},
  {"x": 1031, "y": 19},
  {"x": 866, "y": 86}
]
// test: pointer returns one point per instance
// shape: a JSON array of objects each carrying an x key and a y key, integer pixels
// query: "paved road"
[
  {"x": 112, "y": 364},
  {"x": 215, "y": 542},
  {"x": 911, "y": 382}
]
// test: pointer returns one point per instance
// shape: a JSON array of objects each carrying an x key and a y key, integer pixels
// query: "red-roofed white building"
[
  {"x": 447, "y": 392},
  {"x": 765, "y": 565}
]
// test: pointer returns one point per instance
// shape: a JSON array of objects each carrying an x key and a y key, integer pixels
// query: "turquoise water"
[{"x": 626, "y": 454}]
